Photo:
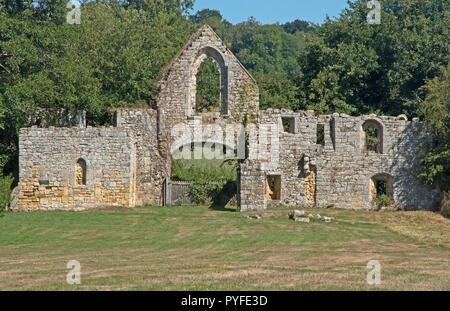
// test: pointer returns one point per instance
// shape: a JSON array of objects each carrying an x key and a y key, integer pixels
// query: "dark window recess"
[
  {"x": 372, "y": 137},
  {"x": 320, "y": 135},
  {"x": 44, "y": 182},
  {"x": 80, "y": 172},
  {"x": 273, "y": 187},
  {"x": 372, "y": 140},
  {"x": 288, "y": 125},
  {"x": 381, "y": 187}
]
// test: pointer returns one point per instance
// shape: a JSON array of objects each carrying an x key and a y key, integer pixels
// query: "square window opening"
[{"x": 288, "y": 124}]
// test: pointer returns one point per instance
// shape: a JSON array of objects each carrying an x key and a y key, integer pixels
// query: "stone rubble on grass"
[
  {"x": 326, "y": 219},
  {"x": 297, "y": 215},
  {"x": 253, "y": 217},
  {"x": 302, "y": 219},
  {"x": 266, "y": 215}
]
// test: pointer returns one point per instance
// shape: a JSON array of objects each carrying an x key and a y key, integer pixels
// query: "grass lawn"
[{"x": 197, "y": 248}]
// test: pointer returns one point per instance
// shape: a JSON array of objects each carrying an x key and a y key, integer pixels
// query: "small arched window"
[
  {"x": 80, "y": 172},
  {"x": 372, "y": 137}
]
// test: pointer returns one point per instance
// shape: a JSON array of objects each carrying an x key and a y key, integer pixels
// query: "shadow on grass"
[
  {"x": 223, "y": 208},
  {"x": 223, "y": 198}
]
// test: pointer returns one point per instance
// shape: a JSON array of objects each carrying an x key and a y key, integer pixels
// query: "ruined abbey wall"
[
  {"x": 302, "y": 159},
  {"x": 152, "y": 167},
  {"x": 339, "y": 172},
  {"x": 76, "y": 168}
]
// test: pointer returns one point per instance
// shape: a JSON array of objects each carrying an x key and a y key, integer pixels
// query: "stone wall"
[
  {"x": 338, "y": 172},
  {"x": 127, "y": 165},
  {"x": 177, "y": 86},
  {"x": 153, "y": 167},
  {"x": 49, "y": 164}
]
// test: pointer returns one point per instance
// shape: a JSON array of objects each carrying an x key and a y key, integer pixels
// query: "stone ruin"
[{"x": 322, "y": 160}]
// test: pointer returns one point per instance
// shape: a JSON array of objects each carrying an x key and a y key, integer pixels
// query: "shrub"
[
  {"x": 202, "y": 171},
  {"x": 216, "y": 193},
  {"x": 215, "y": 179},
  {"x": 384, "y": 200},
  {"x": 198, "y": 193},
  {"x": 5, "y": 191}
]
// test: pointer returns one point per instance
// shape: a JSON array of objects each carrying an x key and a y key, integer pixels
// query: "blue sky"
[{"x": 272, "y": 11}]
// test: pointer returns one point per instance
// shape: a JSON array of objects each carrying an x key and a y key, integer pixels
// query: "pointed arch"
[{"x": 220, "y": 61}]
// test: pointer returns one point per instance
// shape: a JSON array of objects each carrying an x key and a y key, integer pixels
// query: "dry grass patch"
[{"x": 202, "y": 249}]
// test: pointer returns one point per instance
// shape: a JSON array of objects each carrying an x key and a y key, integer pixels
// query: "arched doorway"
[{"x": 381, "y": 190}]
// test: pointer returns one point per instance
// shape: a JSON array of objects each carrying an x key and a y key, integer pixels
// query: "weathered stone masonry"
[
  {"x": 340, "y": 172},
  {"x": 49, "y": 158},
  {"x": 74, "y": 168}
]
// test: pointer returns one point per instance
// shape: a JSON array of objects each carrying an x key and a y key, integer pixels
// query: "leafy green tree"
[
  {"x": 111, "y": 59},
  {"x": 174, "y": 7},
  {"x": 298, "y": 26},
  {"x": 356, "y": 67},
  {"x": 205, "y": 15},
  {"x": 276, "y": 92},
  {"x": 208, "y": 87},
  {"x": 435, "y": 110}
]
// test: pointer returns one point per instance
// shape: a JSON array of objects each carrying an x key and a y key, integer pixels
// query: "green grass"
[{"x": 197, "y": 248}]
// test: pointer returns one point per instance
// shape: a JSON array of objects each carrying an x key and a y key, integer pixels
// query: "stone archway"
[
  {"x": 219, "y": 60},
  {"x": 381, "y": 184},
  {"x": 372, "y": 136}
]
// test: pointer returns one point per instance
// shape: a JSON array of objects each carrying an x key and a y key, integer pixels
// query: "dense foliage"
[
  {"x": 355, "y": 67},
  {"x": 435, "y": 110}
]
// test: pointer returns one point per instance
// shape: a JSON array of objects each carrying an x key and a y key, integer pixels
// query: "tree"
[
  {"x": 205, "y": 15},
  {"x": 435, "y": 110},
  {"x": 298, "y": 26},
  {"x": 111, "y": 59},
  {"x": 355, "y": 67}
]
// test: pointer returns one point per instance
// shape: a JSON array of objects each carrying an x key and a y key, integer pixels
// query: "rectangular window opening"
[
  {"x": 273, "y": 187},
  {"x": 288, "y": 124},
  {"x": 320, "y": 135}
]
